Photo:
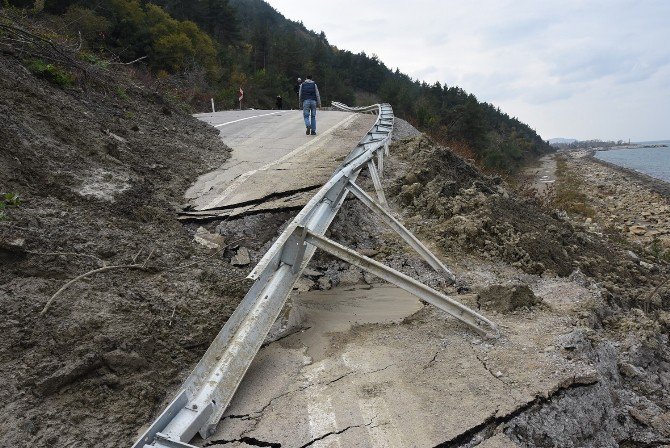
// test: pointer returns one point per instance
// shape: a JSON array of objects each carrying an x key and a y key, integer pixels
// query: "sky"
[{"x": 569, "y": 68}]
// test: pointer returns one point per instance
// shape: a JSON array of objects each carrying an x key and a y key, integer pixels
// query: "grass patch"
[
  {"x": 122, "y": 93},
  {"x": 93, "y": 59},
  {"x": 569, "y": 192},
  {"x": 52, "y": 73},
  {"x": 8, "y": 200}
]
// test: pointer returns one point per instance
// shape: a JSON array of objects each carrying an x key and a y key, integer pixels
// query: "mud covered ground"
[{"x": 100, "y": 170}]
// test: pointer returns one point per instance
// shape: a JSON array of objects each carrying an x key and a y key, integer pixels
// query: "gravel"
[{"x": 402, "y": 129}]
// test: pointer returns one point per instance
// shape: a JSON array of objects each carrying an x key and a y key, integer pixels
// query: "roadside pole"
[{"x": 213, "y": 110}]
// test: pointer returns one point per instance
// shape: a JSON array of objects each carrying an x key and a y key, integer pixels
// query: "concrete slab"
[
  {"x": 413, "y": 381},
  {"x": 273, "y": 159}
]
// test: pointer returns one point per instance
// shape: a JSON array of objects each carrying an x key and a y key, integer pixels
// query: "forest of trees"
[{"x": 211, "y": 48}]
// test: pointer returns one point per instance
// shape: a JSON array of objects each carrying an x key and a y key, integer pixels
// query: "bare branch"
[
  {"x": 74, "y": 254},
  {"x": 128, "y": 63},
  {"x": 89, "y": 273}
]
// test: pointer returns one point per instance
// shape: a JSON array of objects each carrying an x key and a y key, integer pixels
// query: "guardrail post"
[
  {"x": 402, "y": 231},
  {"x": 372, "y": 169},
  {"x": 461, "y": 312}
]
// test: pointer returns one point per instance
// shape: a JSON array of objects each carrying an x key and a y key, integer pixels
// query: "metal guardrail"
[{"x": 207, "y": 392}]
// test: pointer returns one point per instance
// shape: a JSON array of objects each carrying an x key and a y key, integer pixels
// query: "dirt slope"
[
  {"x": 100, "y": 169},
  {"x": 624, "y": 336}
]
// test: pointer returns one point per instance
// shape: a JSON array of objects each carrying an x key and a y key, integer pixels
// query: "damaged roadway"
[
  {"x": 100, "y": 175},
  {"x": 273, "y": 164},
  {"x": 420, "y": 381},
  {"x": 354, "y": 368}
]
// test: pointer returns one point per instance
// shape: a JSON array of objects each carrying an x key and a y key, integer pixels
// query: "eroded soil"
[
  {"x": 102, "y": 173},
  {"x": 100, "y": 170}
]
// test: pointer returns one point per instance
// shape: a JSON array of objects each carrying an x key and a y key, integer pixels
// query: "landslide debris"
[
  {"x": 449, "y": 201},
  {"x": 506, "y": 298},
  {"x": 99, "y": 170},
  {"x": 446, "y": 200}
]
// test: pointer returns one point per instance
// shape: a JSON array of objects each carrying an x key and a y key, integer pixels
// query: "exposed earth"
[{"x": 583, "y": 358}]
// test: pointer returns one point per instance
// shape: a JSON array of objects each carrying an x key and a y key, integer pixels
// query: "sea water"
[{"x": 654, "y": 162}]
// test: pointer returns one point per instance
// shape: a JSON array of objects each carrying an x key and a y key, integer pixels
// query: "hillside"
[
  {"x": 100, "y": 162},
  {"x": 99, "y": 165},
  {"x": 204, "y": 49}
]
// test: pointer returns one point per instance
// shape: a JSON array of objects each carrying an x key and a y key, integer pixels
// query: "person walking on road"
[
  {"x": 279, "y": 102},
  {"x": 309, "y": 97}
]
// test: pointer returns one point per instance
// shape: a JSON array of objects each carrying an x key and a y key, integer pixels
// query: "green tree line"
[{"x": 230, "y": 44}]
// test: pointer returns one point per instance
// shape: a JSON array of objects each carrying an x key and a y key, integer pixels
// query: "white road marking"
[
  {"x": 247, "y": 118},
  {"x": 320, "y": 414},
  {"x": 234, "y": 186}
]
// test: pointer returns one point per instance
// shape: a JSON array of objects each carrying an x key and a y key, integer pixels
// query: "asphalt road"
[
  {"x": 376, "y": 368},
  {"x": 372, "y": 366},
  {"x": 273, "y": 163}
]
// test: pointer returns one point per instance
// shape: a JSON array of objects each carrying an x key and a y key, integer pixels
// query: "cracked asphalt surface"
[
  {"x": 267, "y": 146},
  {"x": 421, "y": 380}
]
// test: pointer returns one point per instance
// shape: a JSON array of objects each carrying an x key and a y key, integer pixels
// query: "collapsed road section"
[{"x": 207, "y": 392}]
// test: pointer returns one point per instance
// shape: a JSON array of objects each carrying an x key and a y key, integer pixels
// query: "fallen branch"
[
  {"x": 74, "y": 254},
  {"x": 128, "y": 63},
  {"x": 89, "y": 273}
]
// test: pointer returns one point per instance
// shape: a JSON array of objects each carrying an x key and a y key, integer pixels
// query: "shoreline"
[
  {"x": 623, "y": 200},
  {"x": 631, "y": 146},
  {"x": 652, "y": 183}
]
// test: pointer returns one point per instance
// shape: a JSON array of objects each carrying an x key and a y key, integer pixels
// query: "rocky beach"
[{"x": 623, "y": 201}]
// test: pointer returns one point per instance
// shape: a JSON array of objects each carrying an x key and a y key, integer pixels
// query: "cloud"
[{"x": 547, "y": 62}]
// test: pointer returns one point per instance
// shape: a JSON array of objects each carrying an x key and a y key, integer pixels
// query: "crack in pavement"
[
  {"x": 291, "y": 333},
  {"x": 489, "y": 425},
  {"x": 256, "y": 414},
  {"x": 333, "y": 433},
  {"x": 356, "y": 373},
  {"x": 248, "y": 440},
  {"x": 254, "y": 201},
  {"x": 430, "y": 363},
  {"x": 489, "y": 370}
]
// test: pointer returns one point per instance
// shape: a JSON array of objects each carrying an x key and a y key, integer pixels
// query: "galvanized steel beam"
[
  {"x": 461, "y": 312},
  {"x": 405, "y": 234},
  {"x": 377, "y": 182},
  {"x": 206, "y": 393}
]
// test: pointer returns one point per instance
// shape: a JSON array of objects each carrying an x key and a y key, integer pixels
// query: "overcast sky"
[{"x": 581, "y": 69}]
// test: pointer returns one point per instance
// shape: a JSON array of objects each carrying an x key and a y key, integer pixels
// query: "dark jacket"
[{"x": 309, "y": 91}]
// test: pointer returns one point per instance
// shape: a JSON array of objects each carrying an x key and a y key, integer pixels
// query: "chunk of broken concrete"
[
  {"x": 507, "y": 298},
  {"x": 241, "y": 258},
  {"x": 210, "y": 240},
  {"x": 303, "y": 284}
]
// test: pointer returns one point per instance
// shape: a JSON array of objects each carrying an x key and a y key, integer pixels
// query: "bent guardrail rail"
[{"x": 207, "y": 392}]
